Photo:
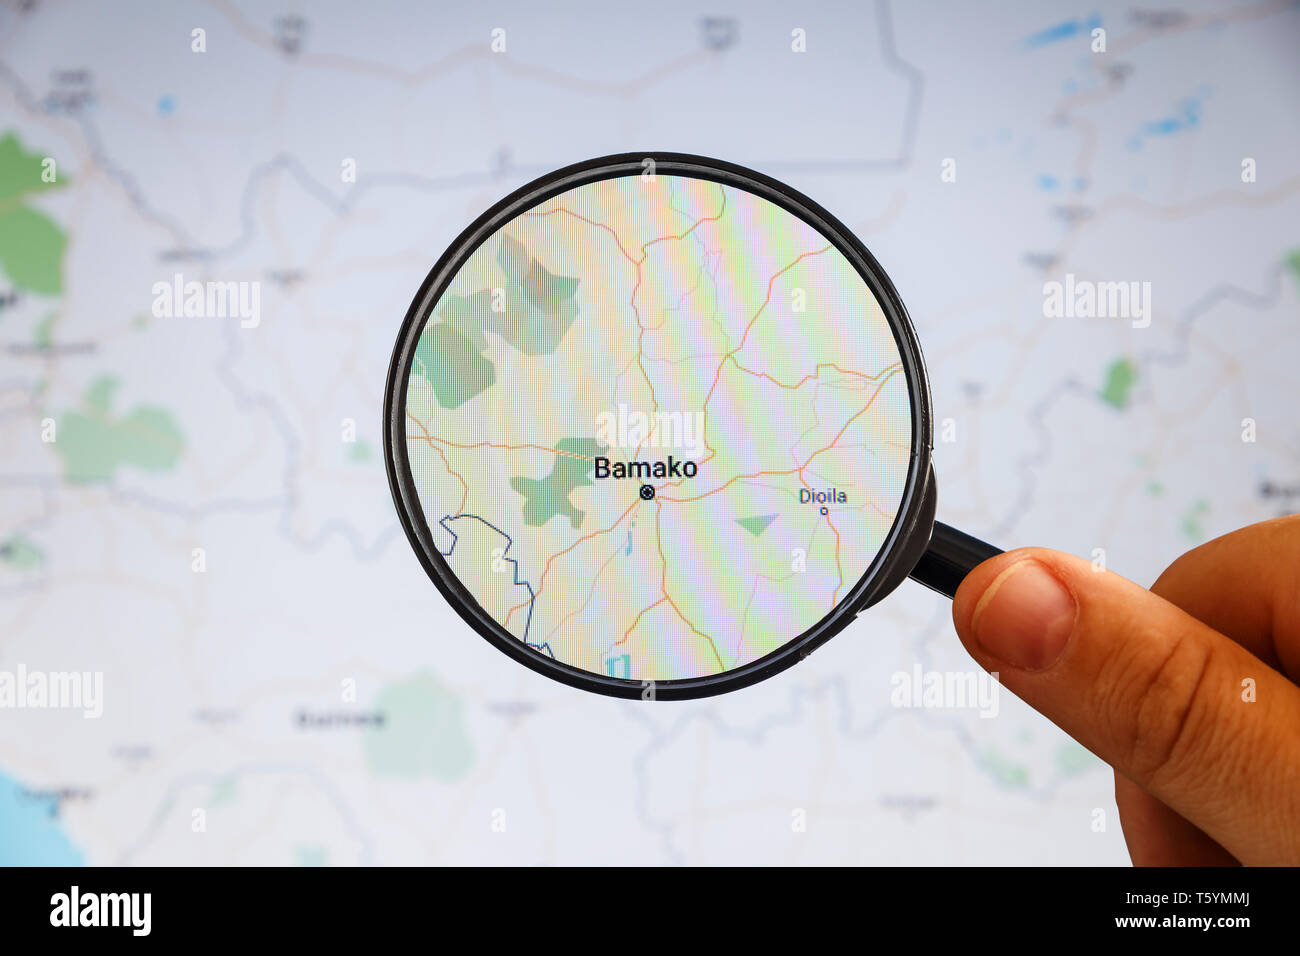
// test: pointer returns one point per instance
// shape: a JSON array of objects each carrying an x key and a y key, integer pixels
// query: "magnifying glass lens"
[{"x": 657, "y": 427}]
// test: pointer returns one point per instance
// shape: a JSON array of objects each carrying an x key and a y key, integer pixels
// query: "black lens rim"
[{"x": 910, "y": 521}]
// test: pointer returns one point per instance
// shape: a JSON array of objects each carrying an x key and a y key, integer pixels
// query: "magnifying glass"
[{"x": 658, "y": 426}]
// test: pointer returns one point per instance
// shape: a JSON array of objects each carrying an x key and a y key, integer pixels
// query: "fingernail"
[{"x": 1025, "y": 617}]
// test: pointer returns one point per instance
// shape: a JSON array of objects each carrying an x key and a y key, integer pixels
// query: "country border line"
[{"x": 532, "y": 595}]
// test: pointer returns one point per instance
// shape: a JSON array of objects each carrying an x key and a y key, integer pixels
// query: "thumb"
[{"x": 1149, "y": 689}]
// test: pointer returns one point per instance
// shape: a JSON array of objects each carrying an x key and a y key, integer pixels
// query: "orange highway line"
[
  {"x": 640, "y": 338},
  {"x": 732, "y": 481},
  {"x": 643, "y": 613},
  {"x": 663, "y": 581},
  {"x": 464, "y": 495},
  {"x": 731, "y": 355},
  {"x": 839, "y": 568},
  {"x": 590, "y": 594},
  {"x": 487, "y": 444},
  {"x": 790, "y": 471},
  {"x": 541, "y": 583},
  {"x": 591, "y": 222},
  {"x": 849, "y": 422},
  {"x": 817, "y": 373}
]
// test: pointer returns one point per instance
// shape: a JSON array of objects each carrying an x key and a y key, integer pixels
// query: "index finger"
[{"x": 1245, "y": 584}]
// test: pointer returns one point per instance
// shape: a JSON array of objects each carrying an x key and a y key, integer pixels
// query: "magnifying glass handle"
[{"x": 952, "y": 555}]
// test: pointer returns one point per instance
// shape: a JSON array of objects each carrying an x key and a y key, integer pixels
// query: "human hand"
[{"x": 1188, "y": 690}]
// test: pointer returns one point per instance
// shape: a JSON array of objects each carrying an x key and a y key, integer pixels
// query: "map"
[
  {"x": 209, "y": 241},
  {"x": 658, "y": 427}
]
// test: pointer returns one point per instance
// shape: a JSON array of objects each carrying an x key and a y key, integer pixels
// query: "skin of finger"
[
  {"x": 1132, "y": 660},
  {"x": 1245, "y": 584},
  {"x": 1157, "y": 836},
  {"x": 1237, "y": 584}
]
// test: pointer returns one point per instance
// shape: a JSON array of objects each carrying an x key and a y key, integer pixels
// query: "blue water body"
[
  {"x": 629, "y": 538},
  {"x": 1186, "y": 116},
  {"x": 1062, "y": 31},
  {"x": 30, "y": 834},
  {"x": 1049, "y": 183},
  {"x": 166, "y": 105}
]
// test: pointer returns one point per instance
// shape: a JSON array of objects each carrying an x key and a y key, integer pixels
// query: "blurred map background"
[{"x": 281, "y": 682}]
